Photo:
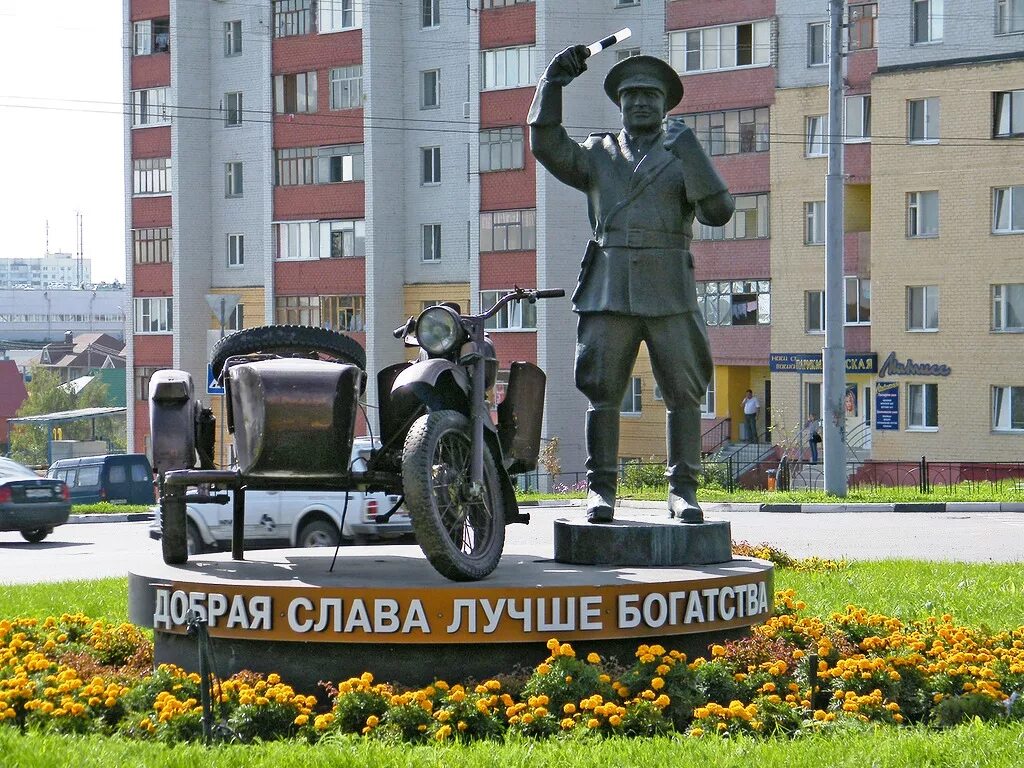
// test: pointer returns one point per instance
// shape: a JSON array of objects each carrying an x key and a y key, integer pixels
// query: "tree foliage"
[{"x": 47, "y": 395}]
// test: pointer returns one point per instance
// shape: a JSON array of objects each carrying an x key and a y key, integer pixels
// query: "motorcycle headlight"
[{"x": 439, "y": 330}]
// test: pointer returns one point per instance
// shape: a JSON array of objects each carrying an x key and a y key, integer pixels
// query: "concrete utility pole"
[{"x": 834, "y": 354}]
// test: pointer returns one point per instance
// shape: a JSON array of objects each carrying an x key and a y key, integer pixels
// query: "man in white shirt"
[{"x": 750, "y": 408}]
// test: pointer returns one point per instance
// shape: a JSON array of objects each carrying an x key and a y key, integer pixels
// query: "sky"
[{"x": 62, "y": 129}]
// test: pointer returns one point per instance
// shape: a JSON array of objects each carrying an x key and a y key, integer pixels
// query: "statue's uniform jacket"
[{"x": 640, "y": 209}]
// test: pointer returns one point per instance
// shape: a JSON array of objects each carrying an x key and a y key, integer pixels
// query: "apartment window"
[
  {"x": 294, "y": 167},
  {"x": 923, "y": 121},
  {"x": 153, "y": 316},
  {"x": 339, "y": 15},
  {"x": 857, "y": 292},
  {"x": 431, "y": 165},
  {"x": 817, "y": 44},
  {"x": 295, "y": 240},
  {"x": 707, "y": 403},
  {"x": 501, "y": 149},
  {"x": 749, "y": 221},
  {"x": 1008, "y": 209},
  {"x": 727, "y": 47},
  {"x": 814, "y": 223},
  {"x": 343, "y": 313},
  {"x": 922, "y": 307},
  {"x": 297, "y": 310},
  {"x": 339, "y": 163},
  {"x": 507, "y": 67},
  {"x": 503, "y": 3},
  {"x": 430, "y": 89},
  {"x": 625, "y": 53},
  {"x": 346, "y": 87},
  {"x": 431, "y": 242},
  {"x": 922, "y": 406},
  {"x": 151, "y": 176},
  {"x": 142, "y": 377},
  {"x": 863, "y": 25},
  {"x": 295, "y": 93},
  {"x": 735, "y": 131},
  {"x": 1008, "y": 307},
  {"x": 342, "y": 239},
  {"x": 632, "y": 401},
  {"x": 1009, "y": 16},
  {"x": 1008, "y": 409},
  {"x": 151, "y": 36},
  {"x": 293, "y": 17},
  {"x": 927, "y": 26},
  {"x": 233, "y": 38},
  {"x": 1008, "y": 114},
  {"x": 232, "y": 109},
  {"x": 922, "y": 214},
  {"x": 151, "y": 245},
  {"x": 149, "y": 107},
  {"x": 431, "y": 14},
  {"x": 508, "y": 231},
  {"x": 516, "y": 315},
  {"x": 625, "y": 3},
  {"x": 233, "y": 179},
  {"x": 815, "y": 141},
  {"x": 857, "y": 118},
  {"x": 814, "y": 304},
  {"x": 236, "y": 250},
  {"x": 735, "y": 302}
]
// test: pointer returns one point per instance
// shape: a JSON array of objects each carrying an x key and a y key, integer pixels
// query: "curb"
[{"x": 114, "y": 517}]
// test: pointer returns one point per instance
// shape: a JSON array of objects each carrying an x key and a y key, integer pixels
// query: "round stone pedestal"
[
  {"x": 635, "y": 543},
  {"x": 385, "y": 610}
]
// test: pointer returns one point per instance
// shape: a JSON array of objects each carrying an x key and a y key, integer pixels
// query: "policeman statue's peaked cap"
[{"x": 644, "y": 72}]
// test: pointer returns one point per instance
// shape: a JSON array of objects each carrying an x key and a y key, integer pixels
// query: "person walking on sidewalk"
[
  {"x": 751, "y": 406},
  {"x": 813, "y": 436}
]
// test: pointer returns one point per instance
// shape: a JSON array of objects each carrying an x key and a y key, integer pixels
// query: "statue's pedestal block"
[{"x": 642, "y": 544}]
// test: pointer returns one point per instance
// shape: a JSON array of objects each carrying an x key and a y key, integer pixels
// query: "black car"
[{"x": 31, "y": 504}]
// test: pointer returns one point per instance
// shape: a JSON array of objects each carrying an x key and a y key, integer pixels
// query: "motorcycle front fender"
[{"x": 438, "y": 384}]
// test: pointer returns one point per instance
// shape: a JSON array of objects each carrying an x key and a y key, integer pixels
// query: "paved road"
[{"x": 95, "y": 550}]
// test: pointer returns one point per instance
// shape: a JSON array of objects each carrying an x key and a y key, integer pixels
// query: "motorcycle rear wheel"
[{"x": 462, "y": 536}]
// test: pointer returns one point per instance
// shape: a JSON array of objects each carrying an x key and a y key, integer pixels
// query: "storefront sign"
[
  {"x": 893, "y": 367},
  {"x": 458, "y": 615},
  {"x": 810, "y": 362},
  {"x": 887, "y": 405}
]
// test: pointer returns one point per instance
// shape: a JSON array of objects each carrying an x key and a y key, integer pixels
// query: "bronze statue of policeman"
[{"x": 644, "y": 185}]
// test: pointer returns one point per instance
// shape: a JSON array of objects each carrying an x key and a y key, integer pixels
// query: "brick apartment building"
[{"x": 343, "y": 163}]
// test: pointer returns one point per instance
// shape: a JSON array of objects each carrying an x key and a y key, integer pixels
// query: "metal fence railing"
[{"x": 923, "y": 475}]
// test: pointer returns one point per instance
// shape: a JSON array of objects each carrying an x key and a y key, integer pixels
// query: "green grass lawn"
[{"x": 975, "y": 594}]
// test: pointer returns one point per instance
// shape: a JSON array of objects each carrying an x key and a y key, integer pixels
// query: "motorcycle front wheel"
[{"x": 461, "y": 533}]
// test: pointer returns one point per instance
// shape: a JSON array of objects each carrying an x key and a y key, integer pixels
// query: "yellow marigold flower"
[
  {"x": 657, "y": 683},
  {"x": 604, "y": 678},
  {"x": 663, "y": 669},
  {"x": 443, "y": 732},
  {"x": 696, "y": 732},
  {"x": 301, "y": 720},
  {"x": 568, "y": 679},
  {"x": 717, "y": 650},
  {"x": 662, "y": 701},
  {"x": 372, "y": 721},
  {"x": 567, "y": 651},
  {"x": 458, "y": 696},
  {"x": 462, "y": 726},
  {"x": 527, "y": 718},
  {"x": 567, "y": 723},
  {"x": 552, "y": 644},
  {"x": 540, "y": 712},
  {"x": 421, "y": 727},
  {"x": 543, "y": 669},
  {"x": 700, "y": 713},
  {"x": 493, "y": 685},
  {"x": 569, "y": 709},
  {"x": 593, "y": 658},
  {"x": 615, "y": 721},
  {"x": 443, "y": 716},
  {"x": 273, "y": 678},
  {"x": 593, "y": 723}
]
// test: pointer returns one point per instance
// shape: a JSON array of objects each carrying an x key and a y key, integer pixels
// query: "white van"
[{"x": 295, "y": 518}]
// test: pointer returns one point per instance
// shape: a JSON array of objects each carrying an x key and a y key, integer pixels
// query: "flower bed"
[{"x": 71, "y": 674}]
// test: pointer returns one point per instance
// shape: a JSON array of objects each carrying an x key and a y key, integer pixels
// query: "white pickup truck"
[{"x": 295, "y": 518}]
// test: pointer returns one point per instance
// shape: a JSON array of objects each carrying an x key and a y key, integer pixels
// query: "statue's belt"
[{"x": 643, "y": 238}]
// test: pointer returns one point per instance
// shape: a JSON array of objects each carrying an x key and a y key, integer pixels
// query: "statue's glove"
[
  {"x": 679, "y": 136},
  {"x": 567, "y": 65}
]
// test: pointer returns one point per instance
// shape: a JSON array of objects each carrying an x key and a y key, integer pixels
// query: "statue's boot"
[
  {"x": 683, "y": 443},
  {"x": 602, "y": 435}
]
